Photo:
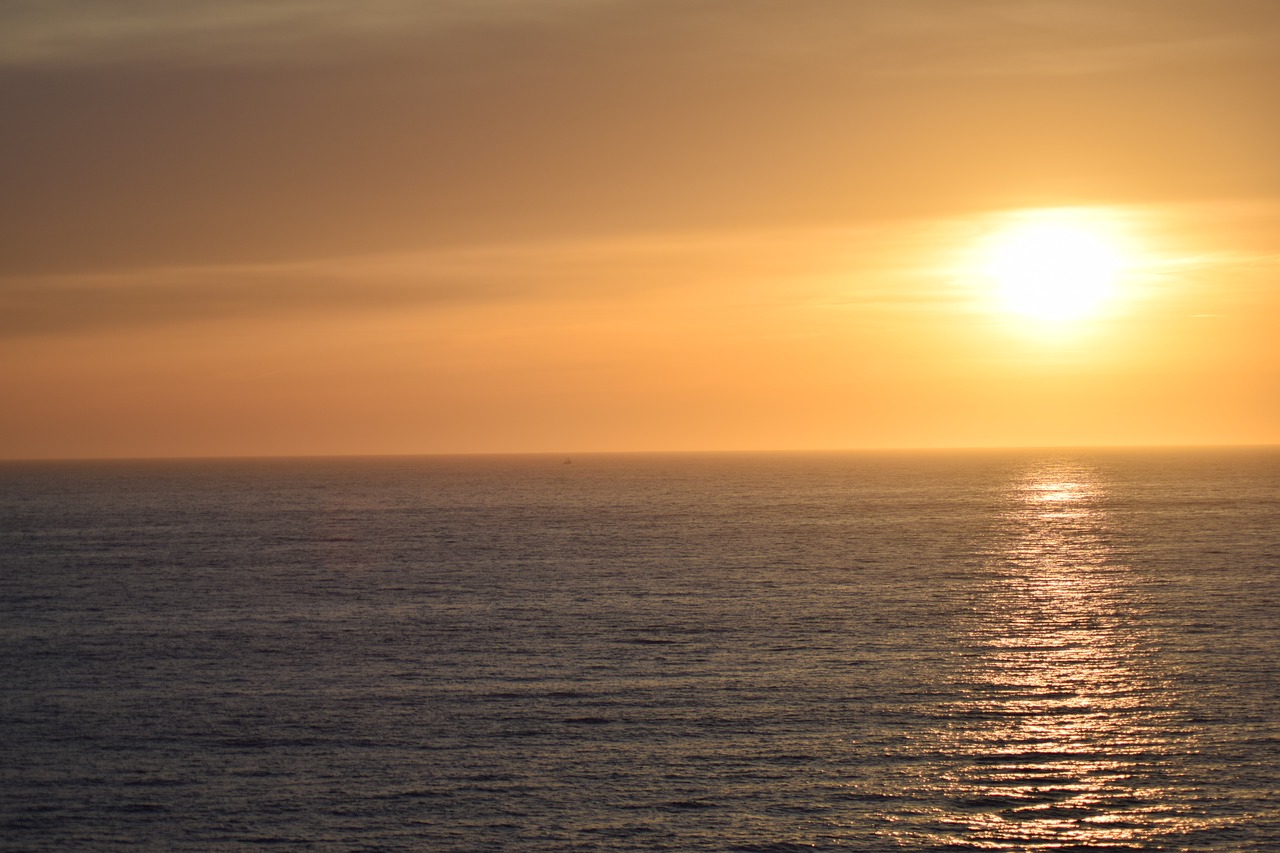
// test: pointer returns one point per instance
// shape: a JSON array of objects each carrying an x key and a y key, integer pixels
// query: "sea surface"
[{"x": 1067, "y": 650}]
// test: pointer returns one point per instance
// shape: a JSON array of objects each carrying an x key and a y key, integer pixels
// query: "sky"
[{"x": 298, "y": 227}]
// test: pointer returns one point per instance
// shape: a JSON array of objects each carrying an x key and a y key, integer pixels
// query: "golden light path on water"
[{"x": 1065, "y": 734}]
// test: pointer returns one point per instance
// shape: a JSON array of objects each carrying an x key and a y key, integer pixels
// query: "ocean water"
[{"x": 969, "y": 651}]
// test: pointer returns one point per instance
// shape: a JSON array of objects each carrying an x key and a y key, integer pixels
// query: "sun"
[{"x": 1054, "y": 265}]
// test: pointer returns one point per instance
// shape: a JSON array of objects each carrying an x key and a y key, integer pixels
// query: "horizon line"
[{"x": 568, "y": 454}]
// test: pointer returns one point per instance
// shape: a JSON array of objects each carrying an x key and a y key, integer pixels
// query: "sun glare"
[{"x": 1054, "y": 265}]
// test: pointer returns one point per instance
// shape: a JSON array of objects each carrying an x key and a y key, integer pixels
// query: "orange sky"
[{"x": 569, "y": 225}]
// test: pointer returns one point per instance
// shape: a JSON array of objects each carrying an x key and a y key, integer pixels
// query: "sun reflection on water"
[{"x": 1061, "y": 731}]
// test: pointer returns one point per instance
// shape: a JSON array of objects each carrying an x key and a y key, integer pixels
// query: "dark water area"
[{"x": 972, "y": 651}]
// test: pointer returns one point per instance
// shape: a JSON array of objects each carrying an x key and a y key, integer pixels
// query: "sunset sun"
[{"x": 1053, "y": 266}]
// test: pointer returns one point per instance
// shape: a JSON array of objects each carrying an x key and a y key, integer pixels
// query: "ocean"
[{"x": 1014, "y": 650}]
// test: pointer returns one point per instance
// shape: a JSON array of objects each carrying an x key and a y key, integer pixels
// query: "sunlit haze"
[{"x": 281, "y": 228}]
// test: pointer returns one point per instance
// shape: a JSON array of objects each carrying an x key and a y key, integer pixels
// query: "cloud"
[
  {"x": 131, "y": 142},
  {"x": 51, "y": 32},
  {"x": 904, "y": 36},
  {"x": 891, "y": 266},
  {"x": 913, "y": 266},
  {"x": 62, "y": 304}
]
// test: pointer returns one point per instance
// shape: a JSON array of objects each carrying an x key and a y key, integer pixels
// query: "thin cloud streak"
[
  {"x": 54, "y": 32},
  {"x": 864, "y": 266},
  {"x": 987, "y": 37},
  {"x": 910, "y": 266}
]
